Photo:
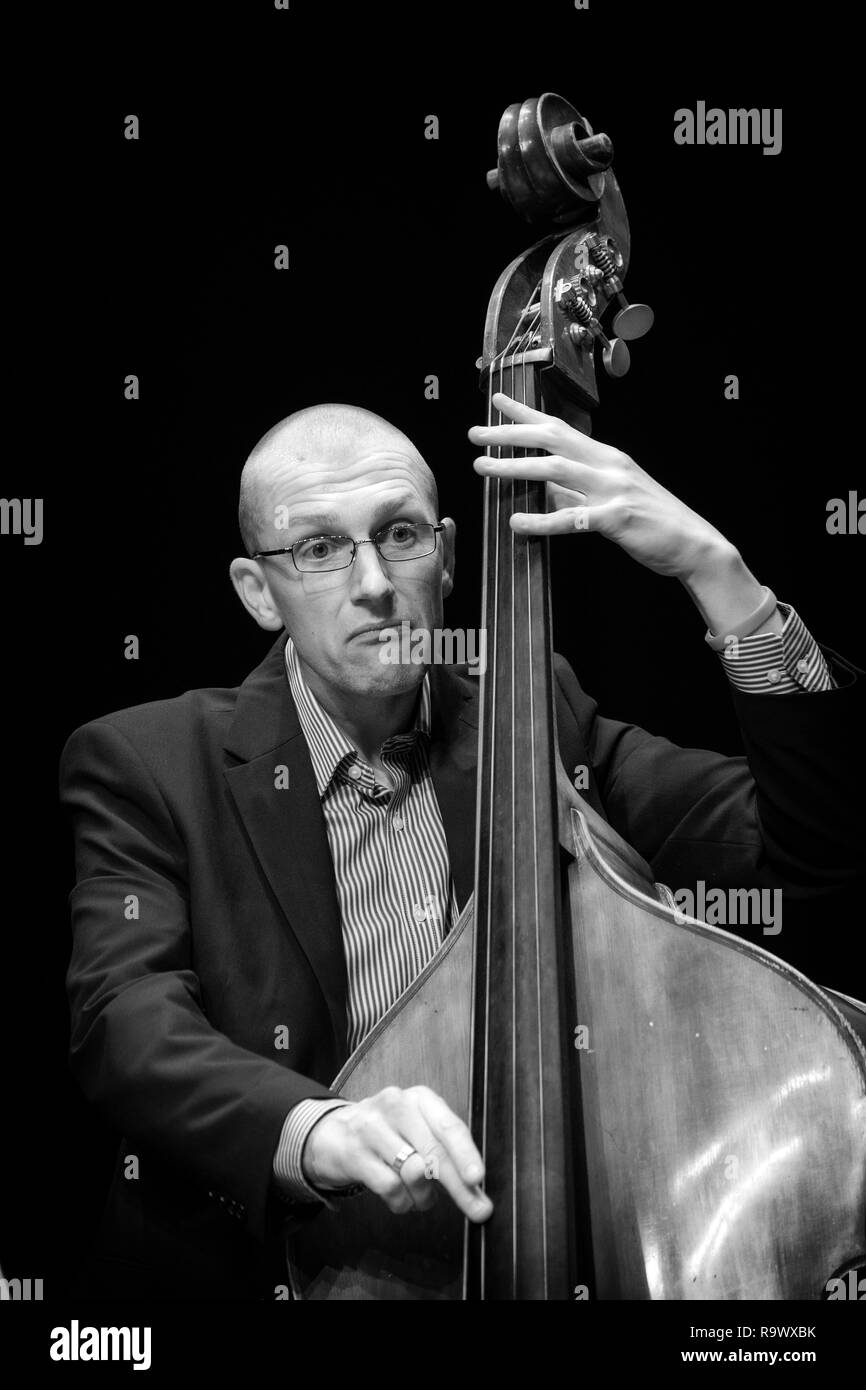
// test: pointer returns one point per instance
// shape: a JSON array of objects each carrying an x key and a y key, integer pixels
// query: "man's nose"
[{"x": 370, "y": 577}]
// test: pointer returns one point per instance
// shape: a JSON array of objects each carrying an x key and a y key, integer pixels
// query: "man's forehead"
[
  {"x": 341, "y": 463},
  {"x": 323, "y": 490},
  {"x": 384, "y": 476},
  {"x": 327, "y": 510}
]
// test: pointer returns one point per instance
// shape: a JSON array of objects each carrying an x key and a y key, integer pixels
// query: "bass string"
[
  {"x": 511, "y": 486},
  {"x": 516, "y": 346},
  {"x": 531, "y": 666},
  {"x": 491, "y": 582}
]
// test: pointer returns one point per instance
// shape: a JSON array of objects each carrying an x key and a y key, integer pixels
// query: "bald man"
[{"x": 263, "y": 871}]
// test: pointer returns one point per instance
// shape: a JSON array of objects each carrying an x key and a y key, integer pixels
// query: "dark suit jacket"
[{"x": 236, "y": 933}]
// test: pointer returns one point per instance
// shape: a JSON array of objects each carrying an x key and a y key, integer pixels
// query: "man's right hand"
[{"x": 359, "y": 1144}]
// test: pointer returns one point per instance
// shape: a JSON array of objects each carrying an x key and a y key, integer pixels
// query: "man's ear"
[
  {"x": 448, "y": 538},
  {"x": 254, "y": 593}
]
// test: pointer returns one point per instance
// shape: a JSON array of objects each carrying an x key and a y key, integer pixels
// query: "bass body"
[{"x": 718, "y": 1090}]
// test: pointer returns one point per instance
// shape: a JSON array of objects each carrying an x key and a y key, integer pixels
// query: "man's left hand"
[{"x": 593, "y": 487}]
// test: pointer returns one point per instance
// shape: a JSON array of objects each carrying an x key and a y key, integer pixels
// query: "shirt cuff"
[
  {"x": 288, "y": 1172},
  {"x": 777, "y": 663}
]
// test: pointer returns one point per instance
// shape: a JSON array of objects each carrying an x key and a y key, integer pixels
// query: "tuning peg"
[
  {"x": 633, "y": 320},
  {"x": 615, "y": 354}
]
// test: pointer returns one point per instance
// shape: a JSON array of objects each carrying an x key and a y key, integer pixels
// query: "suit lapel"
[{"x": 286, "y": 824}]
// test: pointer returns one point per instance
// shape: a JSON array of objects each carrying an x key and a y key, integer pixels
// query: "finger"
[
  {"x": 387, "y": 1138},
  {"x": 559, "y": 523},
  {"x": 471, "y": 1199},
  {"x": 407, "y": 1127},
  {"x": 606, "y": 518},
  {"x": 547, "y": 434},
  {"x": 417, "y": 1174},
  {"x": 458, "y": 1164},
  {"x": 452, "y": 1133},
  {"x": 381, "y": 1179},
  {"x": 421, "y": 1170},
  {"x": 568, "y": 475},
  {"x": 530, "y": 469},
  {"x": 535, "y": 435},
  {"x": 518, "y": 410}
]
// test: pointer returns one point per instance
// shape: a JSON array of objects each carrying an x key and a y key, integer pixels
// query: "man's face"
[{"x": 335, "y": 618}]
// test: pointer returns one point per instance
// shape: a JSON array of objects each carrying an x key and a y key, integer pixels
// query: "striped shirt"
[
  {"x": 393, "y": 874},
  {"x": 391, "y": 858},
  {"x": 777, "y": 663}
]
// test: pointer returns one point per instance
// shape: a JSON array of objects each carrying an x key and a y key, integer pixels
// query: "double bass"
[{"x": 665, "y": 1111}]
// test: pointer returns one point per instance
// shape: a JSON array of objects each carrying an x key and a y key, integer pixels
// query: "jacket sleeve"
[
  {"x": 141, "y": 1046},
  {"x": 789, "y": 813}
]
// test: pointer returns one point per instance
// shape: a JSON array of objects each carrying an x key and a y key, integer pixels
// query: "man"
[{"x": 262, "y": 871}]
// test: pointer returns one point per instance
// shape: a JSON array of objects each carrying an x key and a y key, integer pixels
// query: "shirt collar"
[{"x": 329, "y": 747}]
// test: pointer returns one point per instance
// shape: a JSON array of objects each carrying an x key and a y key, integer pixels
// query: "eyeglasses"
[{"x": 403, "y": 540}]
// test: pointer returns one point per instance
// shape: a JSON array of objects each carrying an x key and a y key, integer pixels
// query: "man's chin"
[{"x": 365, "y": 672}]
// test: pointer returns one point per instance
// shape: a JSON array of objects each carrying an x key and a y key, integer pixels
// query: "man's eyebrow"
[
  {"x": 328, "y": 519},
  {"x": 312, "y": 519}
]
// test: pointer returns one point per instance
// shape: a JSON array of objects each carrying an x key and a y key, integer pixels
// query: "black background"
[{"x": 155, "y": 257}]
